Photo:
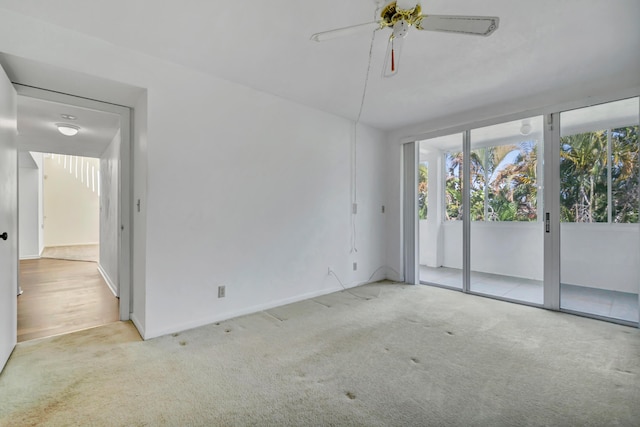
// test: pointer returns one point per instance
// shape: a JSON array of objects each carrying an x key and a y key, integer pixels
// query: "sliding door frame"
[
  {"x": 411, "y": 265},
  {"x": 551, "y": 220},
  {"x": 466, "y": 211},
  {"x": 549, "y": 223}
]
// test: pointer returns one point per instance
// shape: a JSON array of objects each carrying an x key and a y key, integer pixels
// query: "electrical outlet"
[
  {"x": 222, "y": 290},
  {"x": 382, "y": 208},
  {"x": 354, "y": 208},
  {"x": 355, "y": 266}
]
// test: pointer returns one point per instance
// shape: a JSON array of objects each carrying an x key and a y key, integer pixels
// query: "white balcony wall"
[{"x": 604, "y": 256}]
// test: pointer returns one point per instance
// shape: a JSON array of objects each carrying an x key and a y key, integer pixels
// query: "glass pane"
[
  {"x": 599, "y": 204},
  {"x": 625, "y": 197},
  {"x": 440, "y": 211},
  {"x": 506, "y": 236}
]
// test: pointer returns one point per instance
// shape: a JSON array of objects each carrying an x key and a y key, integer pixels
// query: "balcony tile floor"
[{"x": 599, "y": 302}]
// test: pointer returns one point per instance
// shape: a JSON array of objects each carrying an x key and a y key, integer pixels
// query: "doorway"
[
  {"x": 103, "y": 283},
  {"x": 541, "y": 211}
]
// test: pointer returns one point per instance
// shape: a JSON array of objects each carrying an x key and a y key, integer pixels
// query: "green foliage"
[
  {"x": 503, "y": 183},
  {"x": 583, "y": 176},
  {"x": 625, "y": 171},
  {"x": 453, "y": 186},
  {"x": 423, "y": 190}
]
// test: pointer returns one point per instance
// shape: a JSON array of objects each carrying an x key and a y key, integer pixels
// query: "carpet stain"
[
  {"x": 227, "y": 330},
  {"x": 350, "y": 395},
  {"x": 183, "y": 343},
  {"x": 217, "y": 323},
  {"x": 175, "y": 335},
  {"x": 415, "y": 360},
  {"x": 450, "y": 333},
  {"x": 39, "y": 415}
]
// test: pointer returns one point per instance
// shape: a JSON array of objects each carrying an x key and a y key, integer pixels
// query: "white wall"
[
  {"x": 109, "y": 197},
  {"x": 30, "y": 206},
  {"x": 243, "y": 188},
  {"x": 604, "y": 256},
  {"x": 262, "y": 208},
  {"x": 71, "y": 206}
]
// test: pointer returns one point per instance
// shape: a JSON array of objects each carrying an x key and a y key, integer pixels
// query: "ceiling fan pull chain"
[{"x": 393, "y": 57}]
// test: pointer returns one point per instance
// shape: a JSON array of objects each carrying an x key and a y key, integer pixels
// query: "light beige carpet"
[
  {"x": 73, "y": 253},
  {"x": 382, "y": 355}
]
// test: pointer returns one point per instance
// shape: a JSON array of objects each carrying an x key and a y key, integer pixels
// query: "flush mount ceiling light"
[
  {"x": 67, "y": 130},
  {"x": 526, "y": 127}
]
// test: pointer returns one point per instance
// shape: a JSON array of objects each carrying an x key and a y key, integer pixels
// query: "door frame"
[{"x": 124, "y": 182}]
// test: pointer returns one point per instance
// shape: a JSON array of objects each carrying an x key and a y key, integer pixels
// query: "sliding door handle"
[
  {"x": 547, "y": 223},
  {"x": 4, "y": 236}
]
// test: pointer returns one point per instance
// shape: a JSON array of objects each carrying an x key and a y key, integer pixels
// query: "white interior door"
[{"x": 8, "y": 219}]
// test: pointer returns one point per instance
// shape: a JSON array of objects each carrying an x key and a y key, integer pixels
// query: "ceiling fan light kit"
[{"x": 401, "y": 15}]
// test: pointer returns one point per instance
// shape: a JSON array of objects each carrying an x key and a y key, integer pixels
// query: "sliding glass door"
[
  {"x": 506, "y": 210},
  {"x": 440, "y": 210},
  {"x": 599, "y": 202},
  {"x": 535, "y": 212}
]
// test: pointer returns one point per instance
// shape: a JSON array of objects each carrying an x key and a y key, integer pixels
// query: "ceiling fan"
[{"x": 401, "y": 15}]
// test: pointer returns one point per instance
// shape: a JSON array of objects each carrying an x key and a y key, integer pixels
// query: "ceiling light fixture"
[
  {"x": 67, "y": 130},
  {"x": 526, "y": 128}
]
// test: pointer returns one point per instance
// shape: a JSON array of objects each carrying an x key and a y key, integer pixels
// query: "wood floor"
[{"x": 61, "y": 296}]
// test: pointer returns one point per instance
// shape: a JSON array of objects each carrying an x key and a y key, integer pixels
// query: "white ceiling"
[
  {"x": 37, "y": 130},
  {"x": 542, "y": 46}
]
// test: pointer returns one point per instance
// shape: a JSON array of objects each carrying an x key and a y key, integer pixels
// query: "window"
[
  {"x": 423, "y": 189},
  {"x": 599, "y": 176},
  {"x": 503, "y": 182},
  {"x": 625, "y": 173},
  {"x": 504, "y": 171},
  {"x": 453, "y": 186}
]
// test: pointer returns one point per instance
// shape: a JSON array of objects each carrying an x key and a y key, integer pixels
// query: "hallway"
[{"x": 61, "y": 296}]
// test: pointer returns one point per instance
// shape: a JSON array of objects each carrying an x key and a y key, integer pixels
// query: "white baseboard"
[
  {"x": 249, "y": 310},
  {"x": 107, "y": 279},
  {"x": 138, "y": 325},
  {"x": 30, "y": 257},
  {"x": 71, "y": 244}
]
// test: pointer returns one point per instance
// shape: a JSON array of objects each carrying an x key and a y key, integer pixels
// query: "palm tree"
[
  {"x": 625, "y": 179},
  {"x": 423, "y": 189},
  {"x": 583, "y": 177},
  {"x": 453, "y": 186}
]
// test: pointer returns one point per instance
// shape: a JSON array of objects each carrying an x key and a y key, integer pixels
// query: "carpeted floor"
[{"x": 382, "y": 355}]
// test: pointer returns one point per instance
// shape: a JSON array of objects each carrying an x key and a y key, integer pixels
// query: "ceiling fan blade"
[
  {"x": 392, "y": 58},
  {"x": 346, "y": 31},
  {"x": 406, "y": 4},
  {"x": 474, "y": 25}
]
